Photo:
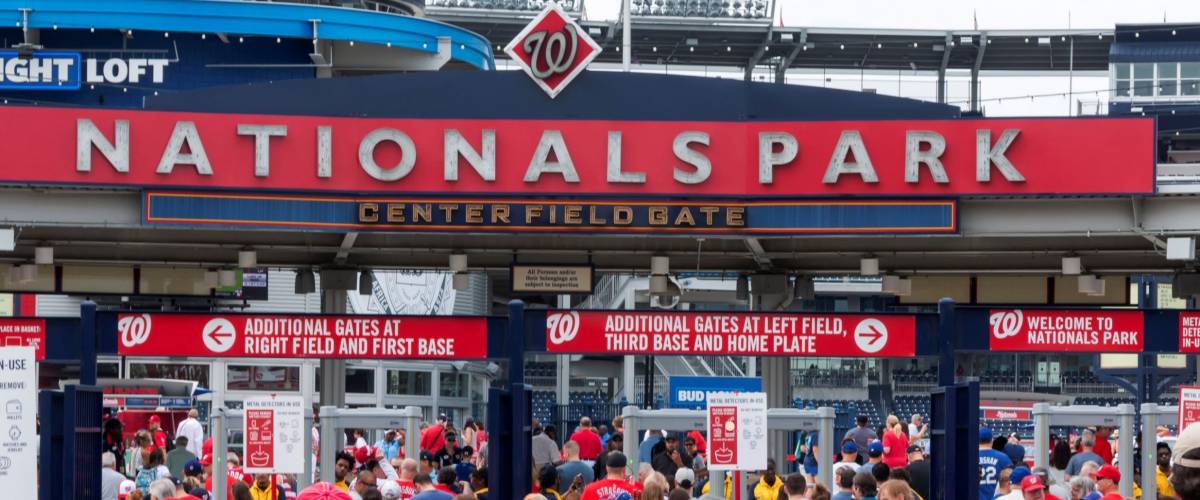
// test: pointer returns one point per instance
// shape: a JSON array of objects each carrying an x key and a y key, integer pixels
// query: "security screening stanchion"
[
  {"x": 636, "y": 420},
  {"x": 1153, "y": 416},
  {"x": 1122, "y": 417},
  {"x": 219, "y": 433}
]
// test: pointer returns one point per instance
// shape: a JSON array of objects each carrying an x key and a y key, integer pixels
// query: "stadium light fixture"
[
  {"x": 868, "y": 266},
  {"x": 660, "y": 265},
  {"x": 247, "y": 259},
  {"x": 1072, "y": 266},
  {"x": 1091, "y": 285},
  {"x": 462, "y": 281},
  {"x": 43, "y": 255},
  {"x": 458, "y": 262}
]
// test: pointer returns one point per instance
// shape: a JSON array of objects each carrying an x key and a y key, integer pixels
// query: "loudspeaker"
[
  {"x": 769, "y": 284},
  {"x": 1185, "y": 285}
]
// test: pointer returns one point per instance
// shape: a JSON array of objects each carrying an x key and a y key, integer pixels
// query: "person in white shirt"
[
  {"x": 110, "y": 479},
  {"x": 193, "y": 431}
]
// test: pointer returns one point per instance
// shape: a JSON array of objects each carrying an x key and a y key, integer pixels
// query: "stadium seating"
[
  {"x": 847, "y": 410},
  {"x": 746, "y": 9}
]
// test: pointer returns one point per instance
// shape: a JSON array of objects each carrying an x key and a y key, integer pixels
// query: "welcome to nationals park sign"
[{"x": 805, "y": 159}]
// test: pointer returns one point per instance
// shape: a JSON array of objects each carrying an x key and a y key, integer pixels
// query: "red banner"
[
  {"x": 22, "y": 331},
  {"x": 1040, "y": 330},
  {"x": 260, "y": 442},
  {"x": 1006, "y": 414},
  {"x": 45, "y": 145},
  {"x": 1189, "y": 332},
  {"x": 298, "y": 336},
  {"x": 736, "y": 334}
]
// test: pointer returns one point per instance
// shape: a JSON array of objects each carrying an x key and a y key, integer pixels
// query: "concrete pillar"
[
  {"x": 777, "y": 384},
  {"x": 333, "y": 371}
]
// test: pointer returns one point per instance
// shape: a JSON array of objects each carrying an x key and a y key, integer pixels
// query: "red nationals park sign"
[
  {"x": 741, "y": 334},
  {"x": 933, "y": 158},
  {"x": 1065, "y": 330},
  {"x": 280, "y": 336}
]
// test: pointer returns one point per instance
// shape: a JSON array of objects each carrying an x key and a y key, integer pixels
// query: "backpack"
[{"x": 144, "y": 478}]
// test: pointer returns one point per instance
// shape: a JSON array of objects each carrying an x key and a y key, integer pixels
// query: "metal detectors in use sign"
[
  {"x": 1189, "y": 332},
  {"x": 1077, "y": 330},
  {"x": 1189, "y": 405},
  {"x": 739, "y": 334},
  {"x": 737, "y": 431},
  {"x": 274, "y": 437},
  {"x": 302, "y": 336}
]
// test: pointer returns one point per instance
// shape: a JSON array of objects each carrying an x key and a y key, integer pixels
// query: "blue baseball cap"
[
  {"x": 985, "y": 434},
  {"x": 849, "y": 447},
  {"x": 192, "y": 468},
  {"x": 875, "y": 448},
  {"x": 1019, "y": 474}
]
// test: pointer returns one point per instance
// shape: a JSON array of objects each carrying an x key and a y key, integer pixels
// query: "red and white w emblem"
[{"x": 552, "y": 49}]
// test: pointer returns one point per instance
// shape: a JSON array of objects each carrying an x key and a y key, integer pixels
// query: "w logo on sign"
[
  {"x": 552, "y": 49},
  {"x": 562, "y": 326},
  {"x": 134, "y": 329},
  {"x": 1006, "y": 324}
]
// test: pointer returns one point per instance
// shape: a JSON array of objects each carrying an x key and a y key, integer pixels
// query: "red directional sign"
[
  {"x": 1065, "y": 330},
  {"x": 744, "y": 334},
  {"x": 280, "y": 336},
  {"x": 24, "y": 331}
]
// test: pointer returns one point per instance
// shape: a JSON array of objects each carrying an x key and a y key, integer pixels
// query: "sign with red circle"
[{"x": 738, "y": 334}]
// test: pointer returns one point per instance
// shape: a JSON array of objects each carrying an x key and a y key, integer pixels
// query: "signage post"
[
  {"x": 1189, "y": 405},
  {"x": 737, "y": 431},
  {"x": 273, "y": 438},
  {"x": 18, "y": 395}
]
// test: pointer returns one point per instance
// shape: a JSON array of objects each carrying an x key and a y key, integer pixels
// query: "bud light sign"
[
  {"x": 692, "y": 392},
  {"x": 48, "y": 70}
]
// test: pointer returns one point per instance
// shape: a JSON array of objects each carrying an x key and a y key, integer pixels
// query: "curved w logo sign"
[
  {"x": 1006, "y": 324},
  {"x": 552, "y": 49},
  {"x": 562, "y": 326}
]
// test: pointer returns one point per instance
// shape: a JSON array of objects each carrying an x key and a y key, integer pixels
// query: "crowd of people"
[{"x": 885, "y": 463}]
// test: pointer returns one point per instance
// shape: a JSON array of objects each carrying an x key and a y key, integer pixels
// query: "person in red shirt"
[
  {"x": 160, "y": 437},
  {"x": 588, "y": 440},
  {"x": 1107, "y": 480},
  {"x": 1103, "y": 447},
  {"x": 432, "y": 438},
  {"x": 614, "y": 485}
]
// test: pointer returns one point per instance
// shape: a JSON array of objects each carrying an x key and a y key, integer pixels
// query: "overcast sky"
[{"x": 962, "y": 14}]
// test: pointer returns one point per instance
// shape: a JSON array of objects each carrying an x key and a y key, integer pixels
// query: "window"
[
  {"x": 409, "y": 383},
  {"x": 196, "y": 373},
  {"x": 1168, "y": 79},
  {"x": 453, "y": 385},
  {"x": 108, "y": 370},
  {"x": 263, "y": 378},
  {"x": 1122, "y": 79},
  {"x": 1189, "y": 78},
  {"x": 1143, "y": 79},
  {"x": 360, "y": 380}
]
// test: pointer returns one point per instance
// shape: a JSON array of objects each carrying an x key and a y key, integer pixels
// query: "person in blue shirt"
[
  {"x": 389, "y": 445},
  {"x": 646, "y": 449},
  {"x": 991, "y": 463}
]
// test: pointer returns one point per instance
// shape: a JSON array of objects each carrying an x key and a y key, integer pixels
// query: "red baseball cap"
[
  {"x": 1108, "y": 472},
  {"x": 155, "y": 420},
  {"x": 1032, "y": 482}
]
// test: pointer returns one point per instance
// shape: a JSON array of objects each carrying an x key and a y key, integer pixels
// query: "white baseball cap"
[
  {"x": 1188, "y": 440},
  {"x": 125, "y": 488},
  {"x": 389, "y": 489},
  {"x": 685, "y": 474}
]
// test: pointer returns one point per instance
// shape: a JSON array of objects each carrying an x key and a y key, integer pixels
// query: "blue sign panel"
[
  {"x": 692, "y": 392},
  {"x": 40, "y": 70},
  {"x": 551, "y": 216}
]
